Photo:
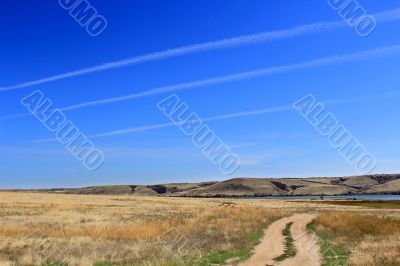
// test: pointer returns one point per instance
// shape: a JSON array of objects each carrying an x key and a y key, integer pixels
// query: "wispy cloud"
[
  {"x": 131, "y": 152},
  {"x": 32, "y": 151},
  {"x": 247, "y": 144},
  {"x": 14, "y": 116},
  {"x": 112, "y": 152},
  {"x": 263, "y": 37},
  {"x": 158, "y": 126},
  {"x": 365, "y": 98},
  {"x": 261, "y": 156},
  {"x": 363, "y": 55},
  {"x": 278, "y": 109},
  {"x": 213, "y": 118}
]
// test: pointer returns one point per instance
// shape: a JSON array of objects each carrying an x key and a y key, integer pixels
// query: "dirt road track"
[{"x": 272, "y": 244}]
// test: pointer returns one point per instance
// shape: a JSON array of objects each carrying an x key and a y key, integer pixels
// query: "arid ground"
[{"x": 58, "y": 229}]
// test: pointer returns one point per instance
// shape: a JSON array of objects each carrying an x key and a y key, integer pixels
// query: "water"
[{"x": 359, "y": 197}]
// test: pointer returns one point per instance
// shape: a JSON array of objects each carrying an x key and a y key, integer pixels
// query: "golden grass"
[
  {"x": 84, "y": 229},
  {"x": 371, "y": 239},
  {"x": 138, "y": 231}
]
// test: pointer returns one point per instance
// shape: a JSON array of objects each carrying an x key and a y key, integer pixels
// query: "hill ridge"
[{"x": 251, "y": 187}]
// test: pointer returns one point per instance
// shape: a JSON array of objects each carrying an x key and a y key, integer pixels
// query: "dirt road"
[{"x": 272, "y": 244}]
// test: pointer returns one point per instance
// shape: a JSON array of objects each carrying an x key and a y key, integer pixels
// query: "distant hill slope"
[
  {"x": 108, "y": 190},
  {"x": 372, "y": 184},
  {"x": 237, "y": 187}
]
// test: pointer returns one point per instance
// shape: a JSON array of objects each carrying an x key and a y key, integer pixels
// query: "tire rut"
[{"x": 273, "y": 244}]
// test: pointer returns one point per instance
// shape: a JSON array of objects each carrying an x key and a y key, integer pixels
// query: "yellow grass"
[
  {"x": 372, "y": 239},
  {"x": 84, "y": 229},
  {"x": 87, "y": 229}
]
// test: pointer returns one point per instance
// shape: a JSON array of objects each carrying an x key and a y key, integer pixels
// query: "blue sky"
[{"x": 41, "y": 40}]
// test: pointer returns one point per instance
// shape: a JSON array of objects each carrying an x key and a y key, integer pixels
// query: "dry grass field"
[
  {"x": 84, "y": 230},
  {"x": 57, "y": 229},
  {"x": 372, "y": 240}
]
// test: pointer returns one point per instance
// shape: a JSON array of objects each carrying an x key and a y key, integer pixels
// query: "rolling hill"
[{"x": 253, "y": 187}]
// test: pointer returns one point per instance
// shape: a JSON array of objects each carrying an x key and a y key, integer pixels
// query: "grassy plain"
[
  {"x": 365, "y": 240},
  {"x": 43, "y": 229},
  {"x": 82, "y": 230},
  {"x": 379, "y": 204}
]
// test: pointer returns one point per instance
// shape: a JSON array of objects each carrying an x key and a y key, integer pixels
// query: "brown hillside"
[{"x": 350, "y": 185}]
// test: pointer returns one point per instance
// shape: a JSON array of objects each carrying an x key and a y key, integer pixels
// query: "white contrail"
[
  {"x": 363, "y": 99},
  {"x": 277, "y": 109},
  {"x": 382, "y": 51},
  {"x": 157, "y": 126},
  {"x": 11, "y": 117},
  {"x": 213, "y": 118},
  {"x": 383, "y": 17}
]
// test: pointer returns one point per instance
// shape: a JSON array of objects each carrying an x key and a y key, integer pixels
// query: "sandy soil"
[{"x": 272, "y": 244}]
